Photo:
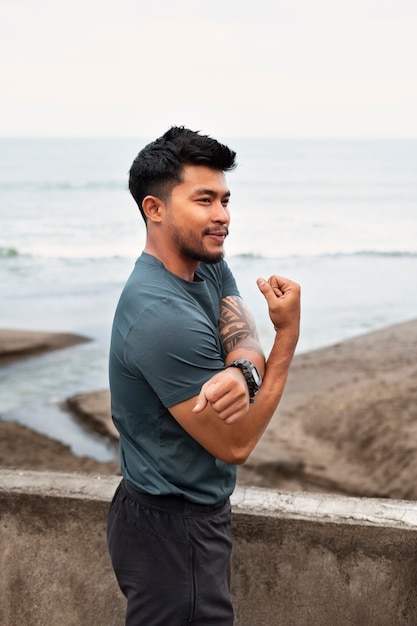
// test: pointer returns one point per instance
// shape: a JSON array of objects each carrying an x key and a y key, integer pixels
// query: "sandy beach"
[{"x": 346, "y": 424}]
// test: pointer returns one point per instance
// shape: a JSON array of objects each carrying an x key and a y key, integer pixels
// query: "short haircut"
[{"x": 159, "y": 165}]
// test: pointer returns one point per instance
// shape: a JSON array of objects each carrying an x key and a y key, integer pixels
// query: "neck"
[{"x": 181, "y": 267}]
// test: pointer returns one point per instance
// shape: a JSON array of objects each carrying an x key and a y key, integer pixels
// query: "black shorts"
[{"x": 171, "y": 558}]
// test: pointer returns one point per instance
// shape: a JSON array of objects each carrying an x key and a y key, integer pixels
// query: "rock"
[
  {"x": 93, "y": 409},
  {"x": 19, "y": 344}
]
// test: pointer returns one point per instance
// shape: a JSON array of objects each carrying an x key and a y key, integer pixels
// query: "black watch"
[{"x": 251, "y": 374}]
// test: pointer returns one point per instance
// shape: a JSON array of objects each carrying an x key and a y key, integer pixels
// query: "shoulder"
[
  {"x": 220, "y": 274},
  {"x": 217, "y": 270},
  {"x": 148, "y": 281}
]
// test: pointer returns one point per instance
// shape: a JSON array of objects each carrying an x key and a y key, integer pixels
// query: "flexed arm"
[{"x": 233, "y": 437}]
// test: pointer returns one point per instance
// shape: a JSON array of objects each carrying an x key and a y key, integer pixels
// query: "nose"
[{"x": 221, "y": 213}]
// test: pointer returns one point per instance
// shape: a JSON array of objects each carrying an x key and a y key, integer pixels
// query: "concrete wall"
[{"x": 298, "y": 560}]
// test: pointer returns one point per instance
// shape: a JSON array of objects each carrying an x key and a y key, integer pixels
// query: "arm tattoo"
[{"x": 236, "y": 323}]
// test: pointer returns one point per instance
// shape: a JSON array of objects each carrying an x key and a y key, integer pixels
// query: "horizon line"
[{"x": 232, "y": 137}]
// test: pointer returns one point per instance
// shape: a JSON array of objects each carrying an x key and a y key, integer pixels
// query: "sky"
[{"x": 231, "y": 68}]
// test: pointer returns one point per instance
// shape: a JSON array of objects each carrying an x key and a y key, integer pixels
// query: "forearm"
[{"x": 268, "y": 397}]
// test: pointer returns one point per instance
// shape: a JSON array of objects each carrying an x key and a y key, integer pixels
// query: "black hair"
[{"x": 159, "y": 165}]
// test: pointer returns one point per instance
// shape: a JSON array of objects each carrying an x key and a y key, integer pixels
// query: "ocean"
[{"x": 339, "y": 217}]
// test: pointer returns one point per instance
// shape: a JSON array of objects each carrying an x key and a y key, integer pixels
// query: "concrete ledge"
[
  {"x": 59, "y": 484},
  {"x": 299, "y": 559},
  {"x": 323, "y": 508},
  {"x": 245, "y": 500}
]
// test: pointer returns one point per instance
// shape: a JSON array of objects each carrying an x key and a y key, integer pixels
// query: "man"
[{"x": 188, "y": 398}]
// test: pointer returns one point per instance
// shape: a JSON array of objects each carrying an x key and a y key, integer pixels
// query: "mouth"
[{"x": 217, "y": 235}]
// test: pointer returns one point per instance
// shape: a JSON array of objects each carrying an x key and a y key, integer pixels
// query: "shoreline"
[{"x": 346, "y": 422}]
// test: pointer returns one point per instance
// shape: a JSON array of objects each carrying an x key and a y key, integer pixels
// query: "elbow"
[
  {"x": 237, "y": 455},
  {"x": 240, "y": 460}
]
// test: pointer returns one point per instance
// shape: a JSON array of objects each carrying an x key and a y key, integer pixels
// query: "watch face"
[{"x": 256, "y": 376}]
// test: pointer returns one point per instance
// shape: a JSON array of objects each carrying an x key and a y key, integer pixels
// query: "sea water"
[{"x": 339, "y": 217}]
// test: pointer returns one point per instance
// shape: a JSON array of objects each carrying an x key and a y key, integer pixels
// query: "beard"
[
  {"x": 201, "y": 254},
  {"x": 194, "y": 249}
]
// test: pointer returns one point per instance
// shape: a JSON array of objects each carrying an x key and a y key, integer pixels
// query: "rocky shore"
[{"x": 346, "y": 424}]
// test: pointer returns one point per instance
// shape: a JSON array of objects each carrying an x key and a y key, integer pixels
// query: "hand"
[
  {"x": 227, "y": 393},
  {"x": 283, "y": 298}
]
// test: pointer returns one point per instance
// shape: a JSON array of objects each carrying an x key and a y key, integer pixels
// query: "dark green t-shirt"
[{"x": 165, "y": 345}]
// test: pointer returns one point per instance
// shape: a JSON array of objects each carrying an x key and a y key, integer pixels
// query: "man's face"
[{"x": 197, "y": 214}]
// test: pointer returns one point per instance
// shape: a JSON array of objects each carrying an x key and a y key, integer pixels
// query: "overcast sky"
[{"x": 232, "y": 68}]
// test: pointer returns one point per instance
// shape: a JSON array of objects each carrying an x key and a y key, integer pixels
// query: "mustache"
[{"x": 216, "y": 231}]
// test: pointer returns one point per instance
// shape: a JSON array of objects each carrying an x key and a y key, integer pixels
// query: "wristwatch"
[{"x": 251, "y": 374}]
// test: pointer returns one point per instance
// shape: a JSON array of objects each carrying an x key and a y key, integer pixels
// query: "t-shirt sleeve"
[
  {"x": 177, "y": 353},
  {"x": 229, "y": 286}
]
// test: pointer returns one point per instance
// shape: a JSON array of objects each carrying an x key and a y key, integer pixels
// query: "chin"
[
  {"x": 203, "y": 255},
  {"x": 211, "y": 259}
]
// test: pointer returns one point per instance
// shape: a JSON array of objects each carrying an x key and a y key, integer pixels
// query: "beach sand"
[{"x": 346, "y": 423}]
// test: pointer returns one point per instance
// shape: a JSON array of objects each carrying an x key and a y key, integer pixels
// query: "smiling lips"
[{"x": 220, "y": 234}]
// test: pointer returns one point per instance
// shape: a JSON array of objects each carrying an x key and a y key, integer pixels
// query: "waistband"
[{"x": 172, "y": 503}]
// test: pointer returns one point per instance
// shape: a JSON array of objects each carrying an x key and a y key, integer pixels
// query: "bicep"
[
  {"x": 236, "y": 322},
  {"x": 238, "y": 332}
]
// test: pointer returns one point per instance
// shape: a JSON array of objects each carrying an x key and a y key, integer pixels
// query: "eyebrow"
[{"x": 211, "y": 192}]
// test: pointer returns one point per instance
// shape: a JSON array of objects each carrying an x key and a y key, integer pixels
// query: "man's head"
[{"x": 158, "y": 167}]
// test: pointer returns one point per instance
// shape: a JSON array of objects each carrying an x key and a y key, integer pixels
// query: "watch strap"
[{"x": 248, "y": 369}]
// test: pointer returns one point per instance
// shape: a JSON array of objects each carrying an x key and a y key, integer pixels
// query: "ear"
[{"x": 152, "y": 207}]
